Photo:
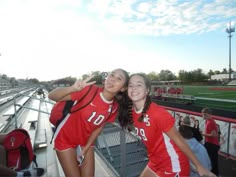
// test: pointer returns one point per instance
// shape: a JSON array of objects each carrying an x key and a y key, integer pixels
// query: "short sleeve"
[{"x": 165, "y": 120}]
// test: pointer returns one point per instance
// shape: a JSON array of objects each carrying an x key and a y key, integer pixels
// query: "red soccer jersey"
[
  {"x": 211, "y": 126},
  {"x": 76, "y": 128},
  {"x": 164, "y": 155}
]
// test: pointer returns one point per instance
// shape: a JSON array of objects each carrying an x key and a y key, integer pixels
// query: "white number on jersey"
[
  {"x": 141, "y": 133},
  {"x": 96, "y": 120}
]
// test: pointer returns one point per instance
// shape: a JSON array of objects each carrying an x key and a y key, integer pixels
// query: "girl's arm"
[
  {"x": 63, "y": 94},
  {"x": 180, "y": 142},
  {"x": 92, "y": 138}
]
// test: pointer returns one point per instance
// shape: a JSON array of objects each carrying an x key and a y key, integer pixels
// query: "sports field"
[{"x": 213, "y": 92}]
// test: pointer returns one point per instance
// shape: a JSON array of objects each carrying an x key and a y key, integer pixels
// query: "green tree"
[
  {"x": 96, "y": 77},
  {"x": 192, "y": 76},
  {"x": 224, "y": 71},
  {"x": 210, "y": 73},
  {"x": 166, "y": 75},
  {"x": 217, "y": 72},
  {"x": 153, "y": 76}
]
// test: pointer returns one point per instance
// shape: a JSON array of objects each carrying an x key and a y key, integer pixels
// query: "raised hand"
[{"x": 80, "y": 84}]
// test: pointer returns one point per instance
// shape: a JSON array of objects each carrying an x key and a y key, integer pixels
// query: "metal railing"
[{"x": 123, "y": 152}]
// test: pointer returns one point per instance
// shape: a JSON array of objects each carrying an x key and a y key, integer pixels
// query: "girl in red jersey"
[
  {"x": 167, "y": 151},
  {"x": 83, "y": 127}
]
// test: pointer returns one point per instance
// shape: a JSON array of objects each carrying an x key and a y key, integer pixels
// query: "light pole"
[{"x": 230, "y": 29}]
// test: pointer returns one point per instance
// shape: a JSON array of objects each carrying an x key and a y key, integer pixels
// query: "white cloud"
[
  {"x": 192, "y": 15},
  {"x": 49, "y": 39}
]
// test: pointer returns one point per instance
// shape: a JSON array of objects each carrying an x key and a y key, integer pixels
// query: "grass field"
[{"x": 218, "y": 92}]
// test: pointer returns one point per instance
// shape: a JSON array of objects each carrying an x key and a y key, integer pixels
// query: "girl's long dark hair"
[
  {"x": 145, "y": 109},
  {"x": 125, "y": 111},
  {"x": 124, "y": 102}
]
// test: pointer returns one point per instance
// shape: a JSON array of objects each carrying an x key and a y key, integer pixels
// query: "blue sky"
[{"x": 51, "y": 39}]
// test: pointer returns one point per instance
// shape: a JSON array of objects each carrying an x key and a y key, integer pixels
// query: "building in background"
[{"x": 223, "y": 77}]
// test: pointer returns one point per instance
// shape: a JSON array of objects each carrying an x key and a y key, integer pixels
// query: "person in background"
[
  {"x": 81, "y": 128},
  {"x": 196, "y": 131},
  {"x": 167, "y": 150},
  {"x": 211, "y": 139},
  {"x": 196, "y": 124},
  {"x": 198, "y": 149},
  {"x": 180, "y": 121}
]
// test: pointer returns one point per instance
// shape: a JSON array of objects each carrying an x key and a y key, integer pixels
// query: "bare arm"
[
  {"x": 180, "y": 142},
  {"x": 63, "y": 94},
  {"x": 92, "y": 138}
]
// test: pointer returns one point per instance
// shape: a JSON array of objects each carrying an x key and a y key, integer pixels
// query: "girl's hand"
[
  {"x": 80, "y": 84},
  {"x": 85, "y": 149}
]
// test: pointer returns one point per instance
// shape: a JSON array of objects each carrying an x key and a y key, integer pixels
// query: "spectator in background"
[
  {"x": 196, "y": 124},
  {"x": 180, "y": 121},
  {"x": 41, "y": 92},
  {"x": 211, "y": 139},
  {"x": 198, "y": 149},
  {"x": 195, "y": 129}
]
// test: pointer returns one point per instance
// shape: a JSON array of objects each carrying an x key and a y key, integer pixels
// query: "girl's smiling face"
[{"x": 137, "y": 90}]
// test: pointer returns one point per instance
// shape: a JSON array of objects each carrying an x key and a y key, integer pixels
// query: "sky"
[{"x": 52, "y": 39}]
